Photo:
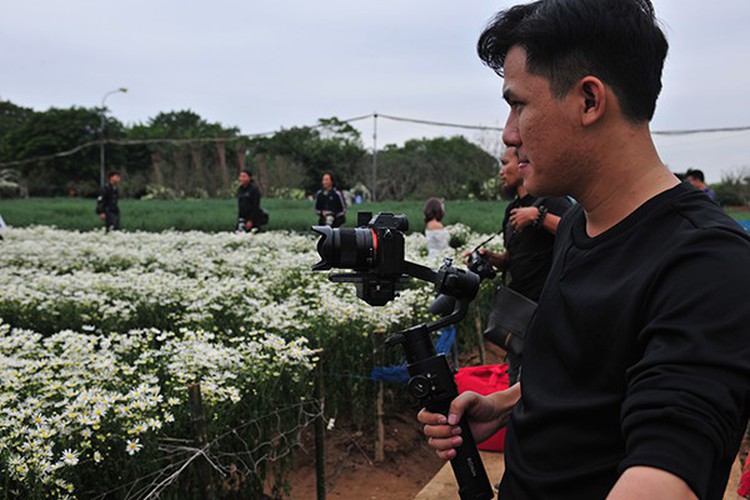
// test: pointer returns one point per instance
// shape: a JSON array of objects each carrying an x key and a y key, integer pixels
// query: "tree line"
[{"x": 178, "y": 154}]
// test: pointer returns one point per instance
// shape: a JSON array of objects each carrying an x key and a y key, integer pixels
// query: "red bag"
[
  {"x": 484, "y": 380},
  {"x": 744, "y": 489}
]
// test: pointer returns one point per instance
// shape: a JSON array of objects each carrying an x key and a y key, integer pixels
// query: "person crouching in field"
[{"x": 250, "y": 215}]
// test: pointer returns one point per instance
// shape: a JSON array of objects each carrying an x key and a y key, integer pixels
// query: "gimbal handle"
[{"x": 433, "y": 384}]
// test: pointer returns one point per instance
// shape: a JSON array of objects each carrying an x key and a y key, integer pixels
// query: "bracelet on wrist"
[{"x": 540, "y": 217}]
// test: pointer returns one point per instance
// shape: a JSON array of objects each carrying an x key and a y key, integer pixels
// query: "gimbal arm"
[{"x": 431, "y": 378}]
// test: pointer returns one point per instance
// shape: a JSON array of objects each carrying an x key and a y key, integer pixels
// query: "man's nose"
[{"x": 511, "y": 136}]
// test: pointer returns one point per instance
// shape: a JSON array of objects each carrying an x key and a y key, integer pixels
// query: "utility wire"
[
  {"x": 439, "y": 124},
  {"x": 193, "y": 140}
]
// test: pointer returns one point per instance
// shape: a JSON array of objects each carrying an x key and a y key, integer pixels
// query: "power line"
[
  {"x": 702, "y": 131},
  {"x": 500, "y": 129},
  {"x": 193, "y": 140},
  {"x": 440, "y": 124}
]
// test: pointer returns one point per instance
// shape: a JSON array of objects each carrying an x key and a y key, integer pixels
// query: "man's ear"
[{"x": 593, "y": 98}]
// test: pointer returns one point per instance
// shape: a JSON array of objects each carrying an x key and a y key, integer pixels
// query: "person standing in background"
[
  {"x": 329, "y": 203},
  {"x": 529, "y": 228},
  {"x": 107, "y": 204}
]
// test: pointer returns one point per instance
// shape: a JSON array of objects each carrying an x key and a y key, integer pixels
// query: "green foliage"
[
  {"x": 734, "y": 188},
  {"x": 450, "y": 168},
  {"x": 11, "y": 116},
  {"x": 331, "y": 146},
  {"x": 287, "y": 193},
  {"x": 190, "y": 157},
  {"x": 10, "y": 185},
  {"x": 52, "y": 132},
  {"x": 214, "y": 215},
  {"x": 180, "y": 159}
]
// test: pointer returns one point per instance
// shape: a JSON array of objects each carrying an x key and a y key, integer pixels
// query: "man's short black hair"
[
  {"x": 617, "y": 41},
  {"x": 112, "y": 173},
  {"x": 696, "y": 174},
  {"x": 246, "y": 171}
]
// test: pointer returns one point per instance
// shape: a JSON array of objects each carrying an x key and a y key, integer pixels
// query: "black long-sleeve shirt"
[
  {"x": 248, "y": 203},
  {"x": 530, "y": 250},
  {"x": 639, "y": 354},
  {"x": 107, "y": 202},
  {"x": 332, "y": 203}
]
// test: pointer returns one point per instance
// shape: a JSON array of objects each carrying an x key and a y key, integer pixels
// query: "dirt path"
[{"x": 351, "y": 472}]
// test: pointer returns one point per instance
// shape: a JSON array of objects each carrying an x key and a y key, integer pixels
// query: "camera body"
[
  {"x": 374, "y": 250},
  {"x": 388, "y": 238},
  {"x": 480, "y": 264}
]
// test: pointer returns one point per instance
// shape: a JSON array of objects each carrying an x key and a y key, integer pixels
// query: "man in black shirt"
[
  {"x": 250, "y": 215},
  {"x": 107, "y": 203},
  {"x": 636, "y": 380},
  {"x": 529, "y": 228}
]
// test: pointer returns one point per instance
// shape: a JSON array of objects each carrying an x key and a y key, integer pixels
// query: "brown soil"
[{"x": 351, "y": 471}]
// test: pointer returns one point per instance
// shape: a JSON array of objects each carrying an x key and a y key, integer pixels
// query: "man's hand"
[
  {"x": 486, "y": 414},
  {"x": 523, "y": 217},
  {"x": 497, "y": 260},
  {"x": 102, "y": 216}
]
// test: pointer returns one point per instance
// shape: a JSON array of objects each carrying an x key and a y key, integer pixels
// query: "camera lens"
[{"x": 345, "y": 248}]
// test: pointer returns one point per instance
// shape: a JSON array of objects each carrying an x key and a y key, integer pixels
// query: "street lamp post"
[{"x": 101, "y": 132}]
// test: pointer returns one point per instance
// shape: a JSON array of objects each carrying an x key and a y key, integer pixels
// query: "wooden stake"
[
  {"x": 379, "y": 358},
  {"x": 198, "y": 420},
  {"x": 480, "y": 337},
  {"x": 320, "y": 431}
]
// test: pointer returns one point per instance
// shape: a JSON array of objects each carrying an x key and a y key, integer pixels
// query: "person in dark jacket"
[
  {"x": 329, "y": 203},
  {"x": 250, "y": 215},
  {"x": 107, "y": 203}
]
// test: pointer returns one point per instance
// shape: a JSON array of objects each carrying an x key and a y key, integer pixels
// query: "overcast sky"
[{"x": 263, "y": 65}]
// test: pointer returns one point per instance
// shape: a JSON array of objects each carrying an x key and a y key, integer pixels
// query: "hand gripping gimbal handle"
[
  {"x": 471, "y": 476},
  {"x": 433, "y": 384}
]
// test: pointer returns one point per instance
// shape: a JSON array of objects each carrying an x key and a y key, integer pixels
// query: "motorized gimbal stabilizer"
[{"x": 375, "y": 250}]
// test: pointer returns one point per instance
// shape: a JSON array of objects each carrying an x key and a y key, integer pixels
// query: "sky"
[{"x": 266, "y": 65}]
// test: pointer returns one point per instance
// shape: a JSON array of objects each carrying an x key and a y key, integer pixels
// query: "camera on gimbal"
[{"x": 375, "y": 252}]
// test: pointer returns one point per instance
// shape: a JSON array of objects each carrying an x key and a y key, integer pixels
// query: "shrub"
[{"x": 734, "y": 188}]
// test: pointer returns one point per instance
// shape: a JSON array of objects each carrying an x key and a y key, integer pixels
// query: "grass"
[{"x": 218, "y": 215}]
